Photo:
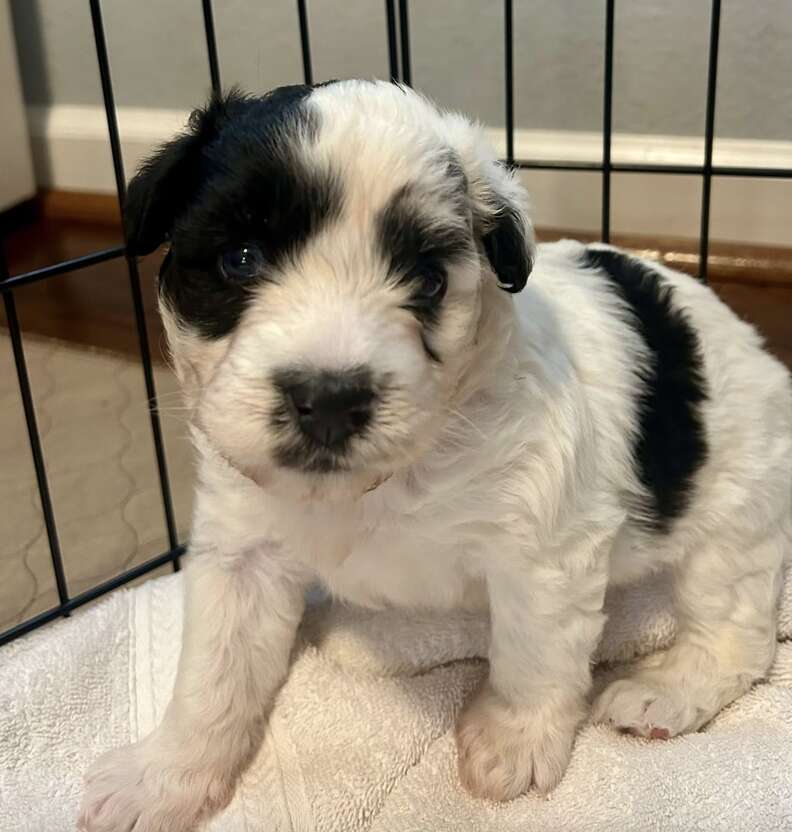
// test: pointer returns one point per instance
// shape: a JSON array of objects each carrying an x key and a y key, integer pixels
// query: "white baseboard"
[{"x": 71, "y": 152}]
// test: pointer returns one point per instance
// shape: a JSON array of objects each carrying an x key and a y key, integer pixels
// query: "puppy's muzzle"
[{"x": 328, "y": 408}]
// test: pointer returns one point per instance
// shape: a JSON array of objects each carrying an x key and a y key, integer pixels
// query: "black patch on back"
[
  {"x": 234, "y": 178},
  {"x": 671, "y": 445}
]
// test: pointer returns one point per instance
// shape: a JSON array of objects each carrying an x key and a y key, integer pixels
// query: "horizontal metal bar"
[
  {"x": 73, "y": 265},
  {"x": 681, "y": 170},
  {"x": 751, "y": 173},
  {"x": 89, "y": 595},
  {"x": 534, "y": 164},
  {"x": 628, "y": 167}
]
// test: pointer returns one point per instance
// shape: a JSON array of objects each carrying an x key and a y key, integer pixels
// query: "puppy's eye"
[
  {"x": 430, "y": 287},
  {"x": 242, "y": 263}
]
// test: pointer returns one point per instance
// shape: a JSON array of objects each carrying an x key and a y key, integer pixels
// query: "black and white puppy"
[{"x": 372, "y": 407}]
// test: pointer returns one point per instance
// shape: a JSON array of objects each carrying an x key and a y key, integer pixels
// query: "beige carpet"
[{"x": 99, "y": 455}]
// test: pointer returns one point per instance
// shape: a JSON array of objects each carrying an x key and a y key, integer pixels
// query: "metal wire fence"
[{"x": 400, "y": 68}]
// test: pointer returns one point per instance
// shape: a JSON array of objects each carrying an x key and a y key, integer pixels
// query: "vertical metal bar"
[
  {"x": 34, "y": 437},
  {"x": 404, "y": 32},
  {"x": 134, "y": 274},
  {"x": 393, "y": 55},
  {"x": 709, "y": 139},
  {"x": 305, "y": 42},
  {"x": 607, "y": 122},
  {"x": 508, "y": 27},
  {"x": 211, "y": 46}
]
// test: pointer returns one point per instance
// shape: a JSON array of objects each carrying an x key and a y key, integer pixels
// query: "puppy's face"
[{"x": 331, "y": 250}]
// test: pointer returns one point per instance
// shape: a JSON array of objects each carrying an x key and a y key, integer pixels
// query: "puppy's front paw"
[
  {"x": 149, "y": 788},
  {"x": 504, "y": 750}
]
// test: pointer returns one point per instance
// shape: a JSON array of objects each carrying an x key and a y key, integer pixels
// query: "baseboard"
[
  {"x": 88, "y": 207},
  {"x": 641, "y": 149},
  {"x": 71, "y": 153}
]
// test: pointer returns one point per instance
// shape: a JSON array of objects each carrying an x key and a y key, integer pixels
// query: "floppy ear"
[
  {"x": 166, "y": 181},
  {"x": 506, "y": 230},
  {"x": 499, "y": 204},
  {"x": 509, "y": 244}
]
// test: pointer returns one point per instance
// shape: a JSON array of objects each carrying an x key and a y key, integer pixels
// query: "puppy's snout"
[{"x": 329, "y": 408}]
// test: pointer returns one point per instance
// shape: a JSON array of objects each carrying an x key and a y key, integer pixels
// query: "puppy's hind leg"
[{"x": 726, "y": 597}]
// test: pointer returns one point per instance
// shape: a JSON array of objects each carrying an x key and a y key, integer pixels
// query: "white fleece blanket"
[{"x": 361, "y": 735}]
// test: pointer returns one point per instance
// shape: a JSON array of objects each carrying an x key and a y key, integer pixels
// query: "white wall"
[
  {"x": 17, "y": 183},
  {"x": 160, "y": 71},
  {"x": 158, "y": 55}
]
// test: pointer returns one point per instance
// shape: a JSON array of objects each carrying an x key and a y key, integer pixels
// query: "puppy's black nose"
[{"x": 329, "y": 407}]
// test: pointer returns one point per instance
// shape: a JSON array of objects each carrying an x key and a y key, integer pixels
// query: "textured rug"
[{"x": 99, "y": 455}]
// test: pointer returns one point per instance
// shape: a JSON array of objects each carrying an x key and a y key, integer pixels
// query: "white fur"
[{"x": 499, "y": 479}]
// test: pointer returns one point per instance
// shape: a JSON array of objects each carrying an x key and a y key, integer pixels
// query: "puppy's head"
[{"x": 332, "y": 252}]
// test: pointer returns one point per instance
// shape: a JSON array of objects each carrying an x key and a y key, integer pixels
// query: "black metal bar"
[
  {"x": 109, "y": 98},
  {"x": 508, "y": 48},
  {"x": 709, "y": 138},
  {"x": 404, "y": 33},
  {"x": 305, "y": 42},
  {"x": 211, "y": 46},
  {"x": 393, "y": 55},
  {"x": 34, "y": 438},
  {"x": 92, "y": 594},
  {"x": 134, "y": 274},
  {"x": 624, "y": 167},
  {"x": 151, "y": 395},
  {"x": 758, "y": 173},
  {"x": 607, "y": 121},
  {"x": 551, "y": 164},
  {"x": 63, "y": 267}
]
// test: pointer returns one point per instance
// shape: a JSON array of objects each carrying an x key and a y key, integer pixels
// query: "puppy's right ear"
[{"x": 166, "y": 182}]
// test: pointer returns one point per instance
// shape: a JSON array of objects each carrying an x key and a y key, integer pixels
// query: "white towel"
[{"x": 361, "y": 734}]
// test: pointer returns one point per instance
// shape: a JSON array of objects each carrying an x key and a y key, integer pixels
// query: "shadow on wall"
[
  {"x": 29, "y": 31},
  {"x": 34, "y": 70}
]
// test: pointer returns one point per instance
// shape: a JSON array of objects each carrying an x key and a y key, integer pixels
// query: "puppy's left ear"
[
  {"x": 499, "y": 204},
  {"x": 508, "y": 240},
  {"x": 166, "y": 182}
]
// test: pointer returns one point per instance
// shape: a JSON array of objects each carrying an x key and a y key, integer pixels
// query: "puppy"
[{"x": 373, "y": 406}]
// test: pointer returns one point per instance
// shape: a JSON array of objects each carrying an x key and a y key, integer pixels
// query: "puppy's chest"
[{"x": 379, "y": 556}]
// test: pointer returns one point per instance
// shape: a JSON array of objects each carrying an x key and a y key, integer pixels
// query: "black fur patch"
[
  {"x": 235, "y": 178},
  {"x": 413, "y": 242},
  {"x": 414, "y": 245},
  {"x": 672, "y": 442},
  {"x": 507, "y": 250}
]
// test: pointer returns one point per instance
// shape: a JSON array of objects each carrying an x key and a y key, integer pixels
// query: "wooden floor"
[{"x": 93, "y": 306}]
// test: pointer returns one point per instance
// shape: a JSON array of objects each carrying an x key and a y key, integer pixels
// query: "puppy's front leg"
[
  {"x": 518, "y": 730},
  {"x": 241, "y": 614}
]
